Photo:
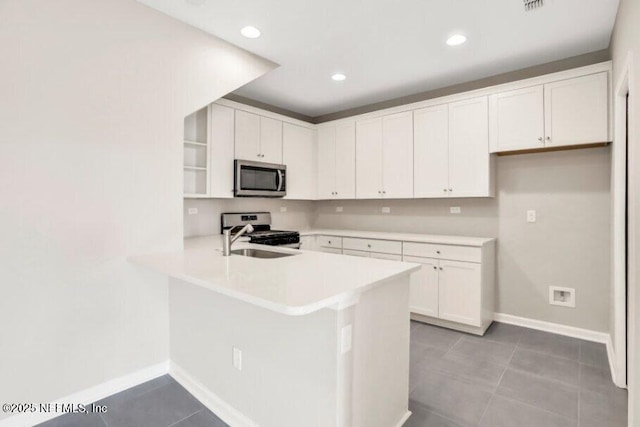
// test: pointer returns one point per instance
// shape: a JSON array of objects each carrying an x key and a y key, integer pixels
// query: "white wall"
[
  {"x": 93, "y": 99},
  {"x": 625, "y": 40},
  {"x": 567, "y": 246},
  {"x": 299, "y": 215}
]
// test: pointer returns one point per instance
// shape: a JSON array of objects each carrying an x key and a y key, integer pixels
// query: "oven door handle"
[{"x": 279, "y": 180}]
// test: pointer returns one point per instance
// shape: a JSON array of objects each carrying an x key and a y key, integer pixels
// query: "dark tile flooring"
[
  {"x": 511, "y": 377},
  {"x": 158, "y": 403}
]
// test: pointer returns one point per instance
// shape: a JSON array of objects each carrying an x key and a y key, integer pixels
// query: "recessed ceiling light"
[
  {"x": 338, "y": 77},
  {"x": 456, "y": 40},
  {"x": 250, "y": 32}
]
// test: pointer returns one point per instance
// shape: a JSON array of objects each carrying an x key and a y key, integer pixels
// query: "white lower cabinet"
[{"x": 451, "y": 292}]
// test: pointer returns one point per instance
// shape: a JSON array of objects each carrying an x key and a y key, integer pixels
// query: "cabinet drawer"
[
  {"x": 370, "y": 245},
  {"x": 351, "y": 252},
  {"x": 336, "y": 251},
  {"x": 428, "y": 250},
  {"x": 391, "y": 257},
  {"x": 330, "y": 242}
]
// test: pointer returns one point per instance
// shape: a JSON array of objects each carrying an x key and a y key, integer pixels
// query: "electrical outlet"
[
  {"x": 531, "y": 216},
  {"x": 237, "y": 358},
  {"x": 193, "y": 211},
  {"x": 339, "y": 209},
  {"x": 346, "y": 338},
  {"x": 386, "y": 209},
  {"x": 455, "y": 209},
  {"x": 564, "y": 297},
  {"x": 283, "y": 208}
]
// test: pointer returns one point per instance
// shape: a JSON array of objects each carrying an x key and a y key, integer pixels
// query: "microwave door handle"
[{"x": 279, "y": 180}]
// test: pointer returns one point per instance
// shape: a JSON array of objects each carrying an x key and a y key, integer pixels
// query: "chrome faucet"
[{"x": 228, "y": 240}]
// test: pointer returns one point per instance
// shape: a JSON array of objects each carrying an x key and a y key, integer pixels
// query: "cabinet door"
[
  {"x": 516, "y": 120},
  {"x": 397, "y": 156},
  {"x": 308, "y": 243},
  {"x": 369, "y": 159},
  {"x": 459, "y": 292},
  {"x": 298, "y": 154},
  {"x": 221, "y": 147},
  {"x": 326, "y": 162},
  {"x": 345, "y": 160},
  {"x": 423, "y": 294},
  {"x": 431, "y": 151},
  {"x": 469, "y": 161},
  {"x": 576, "y": 111},
  {"x": 247, "y": 140},
  {"x": 270, "y": 140}
]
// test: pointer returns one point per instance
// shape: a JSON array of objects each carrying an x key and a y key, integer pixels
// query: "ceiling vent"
[{"x": 532, "y": 4}]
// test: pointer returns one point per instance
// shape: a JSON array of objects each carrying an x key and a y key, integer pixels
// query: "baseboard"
[
  {"x": 611, "y": 354},
  {"x": 91, "y": 395},
  {"x": 404, "y": 419},
  {"x": 554, "y": 328},
  {"x": 222, "y": 409}
]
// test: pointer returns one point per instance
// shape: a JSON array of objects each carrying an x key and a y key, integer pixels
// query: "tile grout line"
[
  {"x": 495, "y": 390},
  {"x": 188, "y": 416}
]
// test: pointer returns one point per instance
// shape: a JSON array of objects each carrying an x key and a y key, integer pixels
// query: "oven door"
[{"x": 257, "y": 179}]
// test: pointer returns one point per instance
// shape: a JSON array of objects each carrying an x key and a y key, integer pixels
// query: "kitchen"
[{"x": 488, "y": 207}]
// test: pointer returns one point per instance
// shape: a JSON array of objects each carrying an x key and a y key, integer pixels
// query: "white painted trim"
[
  {"x": 222, "y": 409},
  {"x": 554, "y": 328},
  {"x": 404, "y": 419},
  {"x": 91, "y": 394},
  {"x": 611, "y": 356},
  {"x": 619, "y": 232}
]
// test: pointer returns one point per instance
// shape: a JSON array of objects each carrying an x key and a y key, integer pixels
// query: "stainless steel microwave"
[{"x": 258, "y": 179}]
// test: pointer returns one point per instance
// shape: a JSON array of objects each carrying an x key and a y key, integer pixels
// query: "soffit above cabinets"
[{"x": 391, "y": 49}]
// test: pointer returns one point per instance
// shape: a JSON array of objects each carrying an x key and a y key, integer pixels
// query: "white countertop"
[
  {"x": 404, "y": 237},
  {"x": 293, "y": 285}
]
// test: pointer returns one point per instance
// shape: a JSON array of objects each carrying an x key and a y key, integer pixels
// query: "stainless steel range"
[{"x": 262, "y": 232}]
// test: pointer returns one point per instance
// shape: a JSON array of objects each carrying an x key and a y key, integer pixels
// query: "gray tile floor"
[
  {"x": 510, "y": 377},
  {"x": 158, "y": 403}
]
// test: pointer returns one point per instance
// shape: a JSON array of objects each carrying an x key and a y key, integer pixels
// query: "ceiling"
[{"x": 392, "y": 48}]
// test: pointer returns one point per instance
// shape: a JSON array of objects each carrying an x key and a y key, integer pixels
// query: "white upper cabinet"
[
  {"x": 247, "y": 141},
  {"x": 397, "y": 156},
  {"x": 221, "y": 143},
  {"x": 517, "y": 119},
  {"x": 298, "y": 145},
  {"x": 431, "y": 151},
  {"x": 384, "y": 157},
  {"x": 470, "y": 173},
  {"x": 576, "y": 111},
  {"x": 346, "y": 160},
  {"x": 567, "y": 112},
  {"x": 451, "y": 150},
  {"x": 271, "y": 140},
  {"x": 369, "y": 158},
  {"x": 337, "y": 161},
  {"x": 258, "y": 138},
  {"x": 326, "y": 162}
]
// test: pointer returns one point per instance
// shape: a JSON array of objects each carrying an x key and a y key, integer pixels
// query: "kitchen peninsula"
[{"x": 309, "y": 338}]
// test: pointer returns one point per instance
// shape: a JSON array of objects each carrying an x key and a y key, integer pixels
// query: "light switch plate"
[
  {"x": 531, "y": 216},
  {"x": 339, "y": 209},
  {"x": 386, "y": 209},
  {"x": 455, "y": 209},
  {"x": 193, "y": 211}
]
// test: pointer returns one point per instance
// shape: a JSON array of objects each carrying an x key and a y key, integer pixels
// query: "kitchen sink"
[{"x": 259, "y": 253}]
